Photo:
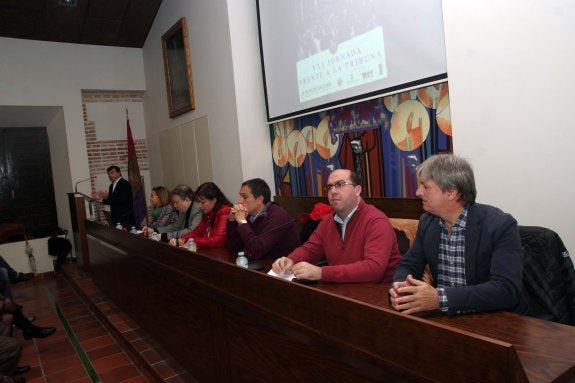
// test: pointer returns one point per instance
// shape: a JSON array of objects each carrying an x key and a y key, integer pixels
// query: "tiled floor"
[{"x": 81, "y": 349}]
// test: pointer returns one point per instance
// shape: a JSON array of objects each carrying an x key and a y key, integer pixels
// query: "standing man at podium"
[{"x": 119, "y": 197}]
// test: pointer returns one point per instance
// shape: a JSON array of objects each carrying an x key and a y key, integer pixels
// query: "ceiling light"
[{"x": 68, "y": 3}]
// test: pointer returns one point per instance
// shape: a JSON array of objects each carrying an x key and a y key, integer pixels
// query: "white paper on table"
[{"x": 288, "y": 276}]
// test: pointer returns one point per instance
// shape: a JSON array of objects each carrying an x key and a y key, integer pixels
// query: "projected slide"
[
  {"x": 318, "y": 54},
  {"x": 358, "y": 61}
]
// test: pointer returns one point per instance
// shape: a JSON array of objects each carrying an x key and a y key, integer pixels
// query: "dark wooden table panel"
[{"x": 229, "y": 324}]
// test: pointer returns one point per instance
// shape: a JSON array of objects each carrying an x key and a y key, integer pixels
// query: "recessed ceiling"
[{"x": 121, "y": 23}]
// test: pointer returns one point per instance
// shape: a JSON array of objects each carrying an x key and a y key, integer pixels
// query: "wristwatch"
[{"x": 243, "y": 221}]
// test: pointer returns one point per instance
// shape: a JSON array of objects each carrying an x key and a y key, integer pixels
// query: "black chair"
[
  {"x": 59, "y": 247},
  {"x": 549, "y": 275}
]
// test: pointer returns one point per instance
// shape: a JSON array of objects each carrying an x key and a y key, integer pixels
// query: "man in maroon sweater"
[
  {"x": 256, "y": 225},
  {"x": 358, "y": 241}
]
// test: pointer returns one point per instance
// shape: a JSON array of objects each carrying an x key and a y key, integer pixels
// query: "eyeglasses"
[{"x": 338, "y": 185}]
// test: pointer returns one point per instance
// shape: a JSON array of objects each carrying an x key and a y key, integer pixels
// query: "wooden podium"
[{"x": 77, "y": 203}]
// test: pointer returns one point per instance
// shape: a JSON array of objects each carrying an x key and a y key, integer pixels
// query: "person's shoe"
[
  {"x": 22, "y": 277},
  {"x": 21, "y": 370},
  {"x": 38, "y": 332}
]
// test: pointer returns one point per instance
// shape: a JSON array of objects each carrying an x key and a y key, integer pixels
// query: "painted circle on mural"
[
  {"x": 283, "y": 128},
  {"x": 296, "y": 150},
  {"x": 323, "y": 140},
  {"x": 409, "y": 125},
  {"x": 279, "y": 151},
  {"x": 391, "y": 102},
  {"x": 444, "y": 115},
  {"x": 430, "y": 95},
  {"x": 308, "y": 133}
]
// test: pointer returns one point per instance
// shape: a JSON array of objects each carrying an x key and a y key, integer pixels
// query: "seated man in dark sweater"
[{"x": 256, "y": 225}]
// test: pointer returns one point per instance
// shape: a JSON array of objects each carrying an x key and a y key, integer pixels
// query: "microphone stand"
[
  {"x": 143, "y": 188},
  {"x": 87, "y": 197},
  {"x": 79, "y": 182}
]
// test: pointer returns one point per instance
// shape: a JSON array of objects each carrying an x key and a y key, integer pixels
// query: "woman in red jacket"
[{"x": 211, "y": 232}]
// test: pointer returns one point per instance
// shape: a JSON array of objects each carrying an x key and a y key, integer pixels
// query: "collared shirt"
[
  {"x": 451, "y": 263},
  {"x": 262, "y": 213},
  {"x": 115, "y": 183},
  {"x": 343, "y": 222}
]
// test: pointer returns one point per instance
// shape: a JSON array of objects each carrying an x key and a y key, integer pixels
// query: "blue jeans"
[
  {"x": 12, "y": 274},
  {"x": 5, "y": 283}
]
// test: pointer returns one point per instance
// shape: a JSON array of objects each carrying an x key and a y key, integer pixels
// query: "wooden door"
[{"x": 26, "y": 186}]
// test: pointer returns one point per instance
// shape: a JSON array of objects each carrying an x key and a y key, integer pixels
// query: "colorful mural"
[{"x": 382, "y": 139}]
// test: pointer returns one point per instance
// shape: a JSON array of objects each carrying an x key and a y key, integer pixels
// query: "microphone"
[{"x": 79, "y": 182}]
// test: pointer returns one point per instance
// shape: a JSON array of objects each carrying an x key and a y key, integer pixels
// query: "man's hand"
[
  {"x": 304, "y": 270},
  {"x": 394, "y": 291},
  {"x": 238, "y": 213},
  {"x": 100, "y": 195},
  {"x": 281, "y": 265},
  {"x": 412, "y": 296}
]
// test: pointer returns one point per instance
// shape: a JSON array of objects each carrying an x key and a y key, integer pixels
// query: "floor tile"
[{"x": 81, "y": 350}]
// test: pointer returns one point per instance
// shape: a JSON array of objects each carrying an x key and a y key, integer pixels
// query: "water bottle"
[
  {"x": 241, "y": 260},
  {"x": 192, "y": 245},
  {"x": 119, "y": 226},
  {"x": 133, "y": 230}
]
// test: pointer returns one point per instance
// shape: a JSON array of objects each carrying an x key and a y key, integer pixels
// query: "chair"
[
  {"x": 405, "y": 231},
  {"x": 549, "y": 275},
  {"x": 60, "y": 247}
]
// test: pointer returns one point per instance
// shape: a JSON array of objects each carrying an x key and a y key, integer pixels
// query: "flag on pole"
[{"x": 138, "y": 195}]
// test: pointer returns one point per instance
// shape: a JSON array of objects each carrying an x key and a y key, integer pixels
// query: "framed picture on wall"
[{"x": 177, "y": 66}]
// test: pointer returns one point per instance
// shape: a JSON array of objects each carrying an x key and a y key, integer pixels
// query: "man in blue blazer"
[
  {"x": 119, "y": 197},
  {"x": 473, "y": 251}
]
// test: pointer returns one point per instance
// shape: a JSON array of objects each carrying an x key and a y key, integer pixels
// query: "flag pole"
[
  {"x": 138, "y": 197},
  {"x": 144, "y": 188}
]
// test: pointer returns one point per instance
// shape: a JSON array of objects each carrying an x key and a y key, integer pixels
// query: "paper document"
[{"x": 285, "y": 275}]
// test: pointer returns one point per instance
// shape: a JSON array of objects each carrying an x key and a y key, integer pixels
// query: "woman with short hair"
[{"x": 162, "y": 213}]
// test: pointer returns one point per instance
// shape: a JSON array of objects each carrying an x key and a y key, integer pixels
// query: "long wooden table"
[{"x": 229, "y": 324}]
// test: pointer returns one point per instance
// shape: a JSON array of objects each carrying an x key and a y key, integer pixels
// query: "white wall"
[
  {"x": 60, "y": 159},
  {"x": 15, "y": 254},
  {"x": 510, "y": 66},
  {"x": 36, "y": 73},
  {"x": 254, "y": 133},
  {"x": 223, "y": 80}
]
